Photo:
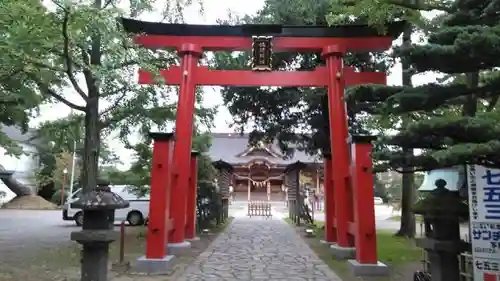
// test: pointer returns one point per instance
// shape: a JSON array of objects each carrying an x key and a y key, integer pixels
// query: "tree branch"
[
  {"x": 492, "y": 103},
  {"x": 45, "y": 88},
  {"x": 10, "y": 75},
  {"x": 417, "y": 5},
  {"x": 67, "y": 56},
  {"x": 44, "y": 65},
  {"x": 85, "y": 55},
  {"x": 118, "y": 100},
  {"x": 157, "y": 62},
  {"x": 107, "y": 3}
]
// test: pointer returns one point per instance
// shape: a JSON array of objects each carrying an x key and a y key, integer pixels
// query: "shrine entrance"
[
  {"x": 258, "y": 181},
  {"x": 349, "y": 206}
]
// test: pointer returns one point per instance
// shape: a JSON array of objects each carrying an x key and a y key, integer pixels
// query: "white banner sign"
[{"x": 484, "y": 207}]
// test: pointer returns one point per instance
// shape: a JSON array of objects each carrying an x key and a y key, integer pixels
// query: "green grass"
[
  {"x": 221, "y": 227},
  {"x": 390, "y": 249},
  {"x": 397, "y": 252},
  {"x": 420, "y": 220}
]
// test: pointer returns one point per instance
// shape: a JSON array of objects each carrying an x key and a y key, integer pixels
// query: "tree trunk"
[
  {"x": 408, "y": 224},
  {"x": 90, "y": 165},
  {"x": 379, "y": 188},
  {"x": 18, "y": 188},
  {"x": 407, "y": 227},
  {"x": 92, "y": 142},
  {"x": 470, "y": 105}
]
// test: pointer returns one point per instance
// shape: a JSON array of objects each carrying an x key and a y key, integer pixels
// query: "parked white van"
[{"x": 136, "y": 214}]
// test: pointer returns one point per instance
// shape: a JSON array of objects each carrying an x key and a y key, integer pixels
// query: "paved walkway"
[{"x": 259, "y": 249}]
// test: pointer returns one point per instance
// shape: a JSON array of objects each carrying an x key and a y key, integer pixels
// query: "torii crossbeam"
[{"x": 315, "y": 78}]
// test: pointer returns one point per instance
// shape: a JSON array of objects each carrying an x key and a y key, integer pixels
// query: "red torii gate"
[{"x": 191, "y": 41}]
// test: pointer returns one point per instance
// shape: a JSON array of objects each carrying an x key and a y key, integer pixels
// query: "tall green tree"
[
  {"x": 57, "y": 140},
  {"x": 75, "y": 53},
  {"x": 454, "y": 121},
  {"x": 18, "y": 99}
]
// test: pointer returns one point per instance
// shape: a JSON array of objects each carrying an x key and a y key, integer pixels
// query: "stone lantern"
[
  {"x": 97, "y": 232},
  {"x": 443, "y": 208}
]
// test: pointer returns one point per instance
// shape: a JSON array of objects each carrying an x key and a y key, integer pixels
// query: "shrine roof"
[
  {"x": 394, "y": 29},
  {"x": 229, "y": 147}
]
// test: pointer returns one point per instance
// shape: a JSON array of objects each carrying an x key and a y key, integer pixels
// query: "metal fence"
[{"x": 259, "y": 208}]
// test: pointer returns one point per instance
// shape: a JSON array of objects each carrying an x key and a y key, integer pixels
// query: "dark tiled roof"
[
  {"x": 17, "y": 135},
  {"x": 227, "y": 146}
]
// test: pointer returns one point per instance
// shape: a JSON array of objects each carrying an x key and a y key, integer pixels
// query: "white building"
[{"x": 23, "y": 167}]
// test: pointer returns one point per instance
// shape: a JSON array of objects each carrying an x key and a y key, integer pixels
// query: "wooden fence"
[{"x": 259, "y": 208}]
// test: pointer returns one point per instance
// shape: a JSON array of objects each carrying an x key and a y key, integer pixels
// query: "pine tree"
[
  {"x": 279, "y": 113},
  {"x": 453, "y": 122}
]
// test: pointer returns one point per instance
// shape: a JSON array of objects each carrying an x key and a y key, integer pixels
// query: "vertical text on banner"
[{"x": 484, "y": 207}]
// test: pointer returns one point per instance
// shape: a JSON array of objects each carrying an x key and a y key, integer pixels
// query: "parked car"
[
  {"x": 378, "y": 201},
  {"x": 136, "y": 214}
]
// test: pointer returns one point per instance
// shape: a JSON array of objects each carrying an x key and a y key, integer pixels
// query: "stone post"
[
  {"x": 249, "y": 192},
  {"x": 97, "y": 232}
]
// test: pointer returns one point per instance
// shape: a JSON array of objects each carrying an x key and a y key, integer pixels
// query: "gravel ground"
[
  {"x": 25, "y": 234},
  {"x": 42, "y": 240},
  {"x": 25, "y": 231}
]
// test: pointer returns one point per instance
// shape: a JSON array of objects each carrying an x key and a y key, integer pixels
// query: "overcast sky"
[{"x": 214, "y": 9}]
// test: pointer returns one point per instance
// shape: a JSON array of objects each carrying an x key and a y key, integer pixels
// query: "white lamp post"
[
  {"x": 65, "y": 173},
  {"x": 72, "y": 177}
]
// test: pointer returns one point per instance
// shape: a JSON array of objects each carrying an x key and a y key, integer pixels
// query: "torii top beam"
[{"x": 285, "y": 38}]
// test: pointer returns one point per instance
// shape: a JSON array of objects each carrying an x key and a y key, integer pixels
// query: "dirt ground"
[
  {"x": 29, "y": 202},
  {"x": 63, "y": 263},
  {"x": 402, "y": 257}
]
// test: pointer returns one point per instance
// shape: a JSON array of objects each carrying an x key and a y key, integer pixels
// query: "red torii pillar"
[
  {"x": 190, "y": 53},
  {"x": 366, "y": 262},
  {"x": 330, "y": 234},
  {"x": 159, "y": 222},
  {"x": 352, "y": 187},
  {"x": 340, "y": 154},
  {"x": 191, "y": 199}
]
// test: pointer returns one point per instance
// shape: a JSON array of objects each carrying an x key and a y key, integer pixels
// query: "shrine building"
[{"x": 260, "y": 172}]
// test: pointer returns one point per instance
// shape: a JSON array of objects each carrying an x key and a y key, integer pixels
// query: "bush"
[
  {"x": 56, "y": 197},
  {"x": 208, "y": 205}
]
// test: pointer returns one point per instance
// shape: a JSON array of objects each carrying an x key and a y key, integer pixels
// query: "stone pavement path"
[{"x": 259, "y": 249}]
